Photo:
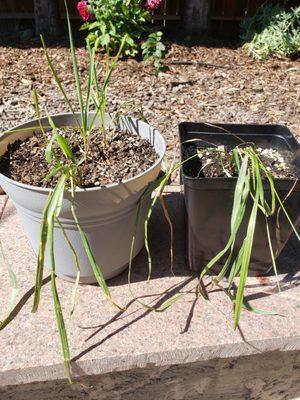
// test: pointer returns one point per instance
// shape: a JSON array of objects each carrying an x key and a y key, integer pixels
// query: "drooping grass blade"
[
  {"x": 53, "y": 205},
  {"x": 76, "y": 73},
  {"x": 247, "y": 247},
  {"x": 96, "y": 268},
  {"x": 12, "y": 280},
  {"x": 58, "y": 311},
  {"x": 37, "y": 110},
  {"x": 76, "y": 284}
]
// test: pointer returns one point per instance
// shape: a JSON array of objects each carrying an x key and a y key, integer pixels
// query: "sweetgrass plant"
[
  {"x": 255, "y": 193},
  {"x": 67, "y": 169},
  {"x": 250, "y": 191}
]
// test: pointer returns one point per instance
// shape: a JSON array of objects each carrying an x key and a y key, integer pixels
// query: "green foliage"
[
  {"x": 116, "y": 19},
  {"x": 154, "y": 50},
  {"x": 113, "y": 20},
  {"x": 272, "y": 31}
]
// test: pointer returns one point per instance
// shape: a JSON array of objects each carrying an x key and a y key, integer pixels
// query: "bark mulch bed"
[{"x": 226, "y": 86}]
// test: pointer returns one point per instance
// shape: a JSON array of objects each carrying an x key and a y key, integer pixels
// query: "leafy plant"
[
  {"x": 154, "y": 51},
  {"x": 114, "y": 20},
  {"x": 272, "y": 31},
  {"x": 68, "y": 171}
]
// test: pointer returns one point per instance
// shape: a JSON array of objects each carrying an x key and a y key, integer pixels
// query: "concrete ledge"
[
  {"x": 269, "y": 376},
  {"x": 105, "y": 342}
]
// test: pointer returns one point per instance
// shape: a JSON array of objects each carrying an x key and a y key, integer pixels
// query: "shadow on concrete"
[{"x": 162, "y": 298}]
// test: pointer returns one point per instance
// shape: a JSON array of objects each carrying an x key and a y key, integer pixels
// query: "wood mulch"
[{"x": 216, "y": 85}]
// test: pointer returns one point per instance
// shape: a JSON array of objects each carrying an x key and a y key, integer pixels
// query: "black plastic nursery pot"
[{"x": 208, "y": 201}]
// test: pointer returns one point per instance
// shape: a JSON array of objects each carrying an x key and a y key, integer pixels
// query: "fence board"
[{"x": 170, "y": 10}]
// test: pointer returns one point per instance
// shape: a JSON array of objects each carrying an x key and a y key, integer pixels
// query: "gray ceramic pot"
[{"x": 107, "y": 214}]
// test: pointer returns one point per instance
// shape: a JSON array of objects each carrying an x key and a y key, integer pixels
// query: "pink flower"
[
  {"x": 152, "y": 5},
  {"x": 83, "y": 11}
]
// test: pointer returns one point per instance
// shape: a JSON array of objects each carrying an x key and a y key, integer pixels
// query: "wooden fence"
[
  {"x": 223, "y": 12},
  {"x": 170, "y": 10}
]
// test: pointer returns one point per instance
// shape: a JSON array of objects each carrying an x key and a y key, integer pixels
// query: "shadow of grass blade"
[{"x": 12, "y": 280}]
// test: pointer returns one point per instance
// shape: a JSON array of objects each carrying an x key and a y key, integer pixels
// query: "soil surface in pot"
[
  {"x": 122, "y": 157},
  {"x": 217, "y": 162}
]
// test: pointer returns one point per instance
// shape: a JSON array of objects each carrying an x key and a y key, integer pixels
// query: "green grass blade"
[
  {"x": 53, "y": 212},
  {"x": 54, "y": 172},
  {"x": 52, "y": 206},
  {"x": 76, "y": 284},
  {"x": 58, "y": 311},
  {"x": 102, "y": 95},
  {"x": 90, "y": 76},
  {"x": 59, "y": 84},
  {"x": 238, "y": 210},
  {"x": 238, "y": 193},
  {"x": 56, "y": 201},
  {"x": 65, "y": 148},
  {"x": 272, "y": 255},
  {"x": 61, "y": 141},
  {"x": 49, "y": 154},
  {"x": 41, "y": 255},
  {"x": 287, "y": 215},
  {"x": 96, "y": 268},
  {"x": 76, "y": 73},
  {"x": 37, "y": 110},
  {"x": 247, "y": 247}
]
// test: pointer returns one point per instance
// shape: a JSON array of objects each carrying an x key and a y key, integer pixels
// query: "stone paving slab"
[{"x": 104, "y": 340}]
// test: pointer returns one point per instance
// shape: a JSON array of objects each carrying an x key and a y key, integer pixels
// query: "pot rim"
[{"x": 90, "y": 189}]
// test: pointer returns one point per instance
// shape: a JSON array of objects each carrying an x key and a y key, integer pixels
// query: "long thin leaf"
[
  {"x": 52, "y": 205},
  {"x": 58, "y": 311},
  {"x": 41, "y": 255},
  {"x": 76, "y": 73},
  {"x": 59, "y": 84},
  {"x": 37, "y": 110},
  {"x": 76, "y": 283},
  {"x": 247, "y": 249}
]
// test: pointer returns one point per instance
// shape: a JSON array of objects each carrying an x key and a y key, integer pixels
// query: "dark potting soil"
[
  {"x": 122, "y": 157},
  {"x": 217, "y": 162}
]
